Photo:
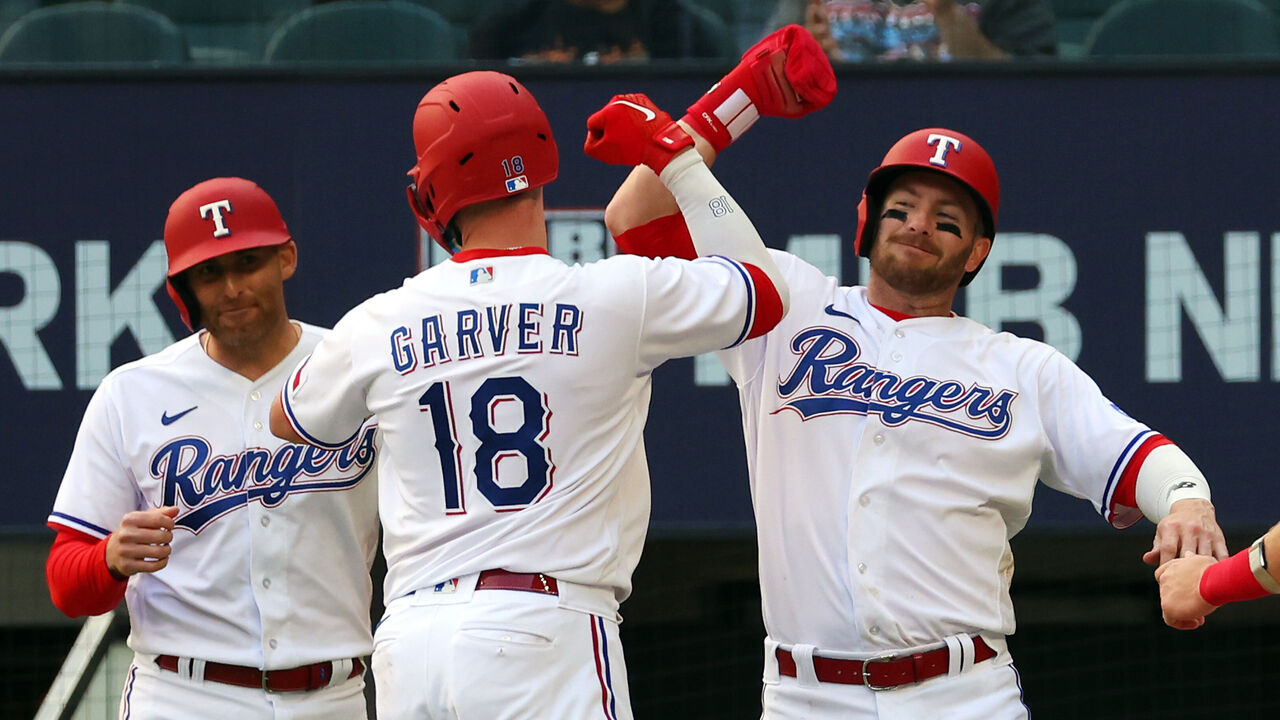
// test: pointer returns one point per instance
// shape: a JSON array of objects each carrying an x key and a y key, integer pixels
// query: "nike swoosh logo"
[
  {"x": 831, "y": 310},
  {"x": 648, "y": 114},
  {"x": 167, "y": 419}
]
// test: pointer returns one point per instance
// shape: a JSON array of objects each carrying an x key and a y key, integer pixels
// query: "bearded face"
[{"x": 929, "y": 234}]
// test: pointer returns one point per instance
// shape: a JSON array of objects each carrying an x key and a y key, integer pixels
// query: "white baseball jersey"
[
  {"x": 273, "y": 542},
  {"x": 892, "y": 461},
  {"x": 511, "y": 392}
]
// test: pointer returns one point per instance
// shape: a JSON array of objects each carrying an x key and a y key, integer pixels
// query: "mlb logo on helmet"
[{"x": 518, "y": 183}]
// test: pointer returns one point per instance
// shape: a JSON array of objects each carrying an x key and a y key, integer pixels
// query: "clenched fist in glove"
[
  {"x": 786, "y": 74},
  {"x": 631, "y": 130}
]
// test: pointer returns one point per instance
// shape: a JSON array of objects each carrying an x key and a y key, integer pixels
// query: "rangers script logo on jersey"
[
  {"x": 208, "y": 486},
  {"x": 827, "y": 380}
]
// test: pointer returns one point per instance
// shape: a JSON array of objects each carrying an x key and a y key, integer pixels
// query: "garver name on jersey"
[
  {"x": 835, "y": 384},
  {"x": 488, "y": 332},
  {"x": 207, "y": 486}
]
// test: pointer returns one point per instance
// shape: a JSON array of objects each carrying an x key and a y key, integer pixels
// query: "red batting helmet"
[
  {"x": 479, "y": 136},
  {"x": 943, "y": 151},
  {"x": 216, "y": 217}
]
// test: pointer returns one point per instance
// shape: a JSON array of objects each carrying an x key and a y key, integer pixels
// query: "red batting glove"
[
  {"x": 631, "y": 130},
  {"x": 786, "y": 74}
]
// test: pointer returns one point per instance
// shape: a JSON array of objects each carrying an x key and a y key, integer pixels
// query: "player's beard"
[{"x": 898, "y": 274}]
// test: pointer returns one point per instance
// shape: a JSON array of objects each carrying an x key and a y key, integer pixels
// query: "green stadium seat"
[
  {"x": 461, "y": 14},
  {"x": 226, "y": 32},
  {"x": 93, "y": 33},
  {"x": 704, "y": 34},
  {"x": 1185, "y": 28},
  {"x": 355, "y": 31},
  {"x": 1072, "y": 21}
]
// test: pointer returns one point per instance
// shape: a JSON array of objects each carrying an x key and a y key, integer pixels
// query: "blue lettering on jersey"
[
  {"x": 528, "y": 327},
  {"x": 826, "y": 380},
  {"x": 209, "y": 487},
  {"x": 433, "y": 347},
  {"x": 468, "y": 334},
  {"x": 485, "y": 333},
  {"x": 404, "y": 354},
  {"x": 498, "y": 315},
  {"x": 566, "y": 323}
]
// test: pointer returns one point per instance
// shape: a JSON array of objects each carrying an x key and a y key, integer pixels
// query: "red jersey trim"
[
  {"x": 1126, "y": 490},
  {"x": 894, "y": 314},
  {"x": 481, "y": 253},
  {"x": 768, "y": 302}
]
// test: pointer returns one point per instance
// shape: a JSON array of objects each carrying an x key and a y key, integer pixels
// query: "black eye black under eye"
[
  {"x": 895, "y": 214},
  {"x": 951, "y": 228}
]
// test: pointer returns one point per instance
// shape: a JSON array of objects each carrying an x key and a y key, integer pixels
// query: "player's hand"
[
  {"x": 141, "y": 542},
  {"x": 631, "y": 130},
  {"x": 1181, "y": 604},
  {"x": 1190, "y": 528},
  {"x": 787, "y": 73}
]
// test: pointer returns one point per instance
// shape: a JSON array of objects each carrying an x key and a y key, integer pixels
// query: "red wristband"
[{"x": 1231, "y": 580}]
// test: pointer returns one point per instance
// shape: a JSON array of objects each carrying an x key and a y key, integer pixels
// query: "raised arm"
[{"x": 786, "y": 74}]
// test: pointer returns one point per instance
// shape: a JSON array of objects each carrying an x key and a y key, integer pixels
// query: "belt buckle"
[
  {"x": 866, "y": 672},
  {"x": 266, "y": 685}
]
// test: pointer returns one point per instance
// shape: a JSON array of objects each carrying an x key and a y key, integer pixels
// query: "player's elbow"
[
  {"x": 66, "y": 605},
  {"x": 641, "y": 198},
  {"x": 618, "y": 216}
]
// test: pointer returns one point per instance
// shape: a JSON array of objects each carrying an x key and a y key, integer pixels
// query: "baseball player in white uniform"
[
  {"x": 512, "y": 392},
  {"x": 244, "y": 560},
  {"x": 894, "y": 446}
]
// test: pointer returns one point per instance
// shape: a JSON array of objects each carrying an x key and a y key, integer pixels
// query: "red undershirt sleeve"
[
  {"x": 667, "y": 236},
  {"x": 80, "y": 583}
]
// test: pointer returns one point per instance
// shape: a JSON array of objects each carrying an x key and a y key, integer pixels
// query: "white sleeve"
[
  {"x": 745, "y": 360},
  {"x": 716, "y": 224},
  {"x": 688, "y": 306},
  {"x": 97, "y": 488},
  {"x": 324, "y": 399},
  {"x": 1091, "y": 440}
]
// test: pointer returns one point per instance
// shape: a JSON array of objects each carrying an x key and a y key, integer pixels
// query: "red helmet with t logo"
[{"x": 939, "y": 150}]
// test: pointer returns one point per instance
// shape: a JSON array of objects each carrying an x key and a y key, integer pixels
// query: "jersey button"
[
  {"x": 254, "y": 395},
  {"x": 266, "y": 582},
  {"x": 257, "y": 425},
  {"x": 265, "y": 521},
  {"x": 879, "y": 438},
  {"x": 899, "y": 333},
  {"x": 874, "y": 629},
  {"x": 862, "y": 567},
  {"x": 272, "y": 643},
  {"x": 864, "y": 501},
  {"x": 897, "y": 357}
]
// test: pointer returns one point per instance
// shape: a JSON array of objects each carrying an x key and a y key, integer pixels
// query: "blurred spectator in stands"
[
  {"x": 593, "y": 32},
  {"x": 861, "y": 30}
]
